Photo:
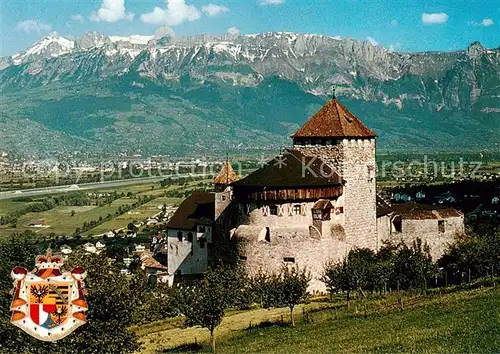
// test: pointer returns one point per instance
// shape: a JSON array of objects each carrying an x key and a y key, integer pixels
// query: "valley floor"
[{"x": 459, "y": 322}]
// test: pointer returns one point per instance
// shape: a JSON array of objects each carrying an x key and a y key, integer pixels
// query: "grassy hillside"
[{"x": 466, "y": 321}]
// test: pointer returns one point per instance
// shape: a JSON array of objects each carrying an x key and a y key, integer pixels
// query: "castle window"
[
  {"x": 178, "y": 272},
  {"x": 441, "y": 226},
  {"x": 179, "y": 235},
  {"x": 202, "y": 242},
  {"x": 323, "y": 142},
  {"x": 296, "y": 209},
  {"x": 273, "y": 210},
  {"x": 289, "y": 260},
  {"x": 243, "y": 258},
  {"x": 201, "y": 228},
  {"x": 398, "y": 225},
  {"x": 190, "y": 237},
  {"x": 223, "y": 198},
  {"x": 268, "y": 234},
  {"x": 307, "y": 142}
]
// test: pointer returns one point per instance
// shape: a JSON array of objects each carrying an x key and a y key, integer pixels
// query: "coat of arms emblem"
[{"x": 48, "y": 303}]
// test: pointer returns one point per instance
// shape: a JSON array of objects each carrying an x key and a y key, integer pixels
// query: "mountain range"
[{"x": 100, "y": 94}]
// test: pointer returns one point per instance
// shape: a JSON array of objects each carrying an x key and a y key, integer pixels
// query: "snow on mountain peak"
[{"x": 49, "y": 46}]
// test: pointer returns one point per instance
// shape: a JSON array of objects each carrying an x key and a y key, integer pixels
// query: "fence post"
[{"x": 469, "y": 275}]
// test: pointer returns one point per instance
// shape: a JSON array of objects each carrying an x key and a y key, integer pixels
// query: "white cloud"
[
  {"x": 372, "y": 40},
  {"x": 77, "y": 17},
  {"x": 435, "y": 18},
  {"x": 164, "y": 31},
  {"x": 484, "y": 23},
  {"x": 487, "y": 22},
  {"x": 233, "y": 30},
  {"x": 111, "y": 11},
  {"x": 214, "y": 10},
  {"x": 394, "y": 22},
  {"x": 33, "y": 26},
  {"x": 271, "y": 2},
  {"x": 177, "y": 12}
]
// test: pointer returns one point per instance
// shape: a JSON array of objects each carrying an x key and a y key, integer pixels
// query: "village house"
[
  {"x": 155, "y": 271},
  {"x": 36, "y": 223},
  {"x": 90, "y": 248},
  {"x": 312, "y": 203}
]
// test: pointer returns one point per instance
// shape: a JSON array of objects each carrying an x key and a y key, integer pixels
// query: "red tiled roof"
[
  {"x": 334, "y": 121},
  {"x": 148, "y": 261},
  {"x": 226, "y": 175}
]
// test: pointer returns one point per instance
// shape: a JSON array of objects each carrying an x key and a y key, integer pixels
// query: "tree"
[
  {"x": 205, "y": 303},
  {"x": 353, "y": 273},
  {"x": 337, "y": 279},
  {"x": 476, "y": 253},
  {"x": 288, "y": 288},
  {"x": 413, "y": 266},
  {"x": 73, "y": 213},
  {"x": 131, "y": 227}
]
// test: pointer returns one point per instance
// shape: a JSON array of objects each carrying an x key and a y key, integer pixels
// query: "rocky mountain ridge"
[{"x": 444, "y": 89}]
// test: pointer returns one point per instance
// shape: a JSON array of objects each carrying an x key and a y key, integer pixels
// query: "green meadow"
[{"x": 459, "y": 322}]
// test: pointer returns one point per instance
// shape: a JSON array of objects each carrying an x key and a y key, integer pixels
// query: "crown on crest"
[{"x": 48, "y": 260}]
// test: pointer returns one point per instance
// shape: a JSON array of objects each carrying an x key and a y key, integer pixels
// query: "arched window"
[
  {"x": 179, "y": 235},
  {"x": 190, "y": 237}
]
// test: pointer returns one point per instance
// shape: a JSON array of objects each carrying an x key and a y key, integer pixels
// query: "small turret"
[{"x": 225, "y": 178}]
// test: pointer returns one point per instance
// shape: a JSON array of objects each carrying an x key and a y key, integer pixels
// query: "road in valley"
[{"x": 87, "y": 186}]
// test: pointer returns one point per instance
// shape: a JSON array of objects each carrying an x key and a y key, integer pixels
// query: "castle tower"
[
  {"x": 225, "y": 177},
  {"x": 223, "y": 190},
  {"x": 344, "y": 143}
]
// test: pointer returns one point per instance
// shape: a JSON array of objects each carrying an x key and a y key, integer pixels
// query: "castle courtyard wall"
[
  {"x": 428, "y": 231},
  {"x": 293, "y": 243}
]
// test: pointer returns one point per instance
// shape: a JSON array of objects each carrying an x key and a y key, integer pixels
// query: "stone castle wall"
[
  {"x": 428, "y": 231},
  {"x": 383, "y": 230},
  {"x": 255, "y": 215},
  {"x": 188, "y": 257},
  {"x": 354, "y": 159},
  {"x": 358, "y": 170},
  {"x": 292, "y": 246}
]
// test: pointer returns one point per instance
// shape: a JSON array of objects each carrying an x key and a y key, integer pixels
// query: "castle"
[{"x": 311, "y": 204}]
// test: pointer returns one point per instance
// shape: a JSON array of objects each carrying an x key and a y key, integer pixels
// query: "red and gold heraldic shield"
[{"x": 48, "y": 304}]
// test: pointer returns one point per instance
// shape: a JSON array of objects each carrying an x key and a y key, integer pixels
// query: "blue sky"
[{"x": 411, "y": 25}]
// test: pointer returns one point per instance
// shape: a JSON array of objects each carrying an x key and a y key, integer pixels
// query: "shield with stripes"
[{"x": 49, "y": 303}]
